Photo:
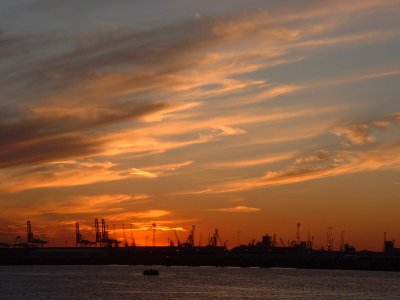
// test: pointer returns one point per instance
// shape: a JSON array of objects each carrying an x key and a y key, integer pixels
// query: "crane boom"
[{"x": 177, "y": 239}]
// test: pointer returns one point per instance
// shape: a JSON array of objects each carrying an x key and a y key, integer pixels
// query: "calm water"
[{"x": 125, "y": 282}]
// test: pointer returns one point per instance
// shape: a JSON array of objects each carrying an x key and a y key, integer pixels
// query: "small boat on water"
[{"x": 151, "y": 272}]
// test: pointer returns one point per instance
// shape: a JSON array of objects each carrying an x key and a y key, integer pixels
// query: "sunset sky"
[{"x": 246, "y": 116}]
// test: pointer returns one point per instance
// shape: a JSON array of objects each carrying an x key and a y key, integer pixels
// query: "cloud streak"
[
  {"x": 59, "y": 175},
  {"x": 346, "y": 163},
  {"x": 127, "y": 67},
  {"x": 255, "y": 162},
  {"x": 237, "y": 209},
  {"x": 323, "y": 163}
]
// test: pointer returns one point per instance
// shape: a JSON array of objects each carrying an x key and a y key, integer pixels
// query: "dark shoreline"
[{"x": 202, "y": 256}]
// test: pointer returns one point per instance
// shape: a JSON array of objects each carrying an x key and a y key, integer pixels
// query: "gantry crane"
[
  {"x": 123, "y": 231},
  {"x": 32, "y": 240},
  {"x": 103, "y": 237},
  {"x": 132, "y": 238},
  {"x": 79, "y": 240},
  {"x": 214, "y": 240},
  {"x": 177, "y": 239},
  {"x": 190, "y": 239}
]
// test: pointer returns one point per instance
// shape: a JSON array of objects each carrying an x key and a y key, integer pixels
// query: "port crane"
[
  {"x": 215, "y": 239},
  {"x": 274, "y": 240},
  {"x": 190, "y": 238},
  {"x": 177, "y": 239},
  {"x": 132, "y": 238},
  {"x": 18, "y": 243},
  {"x": 32, "y": 240},
  {"x": 103, "y": 236},
  {"x": 154, "y": 233},
  {"x": 298, "y": 234},
  {"x": 125, "y": 240},
  {"x": 79, "y": 240}
]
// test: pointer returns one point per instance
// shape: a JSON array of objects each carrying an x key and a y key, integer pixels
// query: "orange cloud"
[
  {"x": 360, "y": 134},
  {"x": 254, "y": 162},
  {"x": 170, "y": 167},
  {"x": 103, "y": 200},
  {"x": 345, "y": 40},
  {"x": 318, "y": 156},
  {"x": 169, "y": 112},
  {"x": 142, "y": 173},
  {"x": 230, "y": 46},
  {"x": 356, "y": 134},
  {"x": 155, "y": 171},
  {"x": 238, "y": 209},
  {"x": 59, "y": 175},
  {"x": 146, "y": 226},
  {"x": 384, "y": 157},
  {"x": 148, "y": 214},
  {"x": 325, "y": 9}
]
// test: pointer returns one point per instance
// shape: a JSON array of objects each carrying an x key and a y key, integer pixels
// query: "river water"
[{"x": 128, "y": 282}]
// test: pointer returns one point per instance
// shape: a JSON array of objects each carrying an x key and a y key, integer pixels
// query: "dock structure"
[
  {"x": 103, "y": 237},
  {"x": 32, "y": 240},
  {"x": 264, "y": 253}
]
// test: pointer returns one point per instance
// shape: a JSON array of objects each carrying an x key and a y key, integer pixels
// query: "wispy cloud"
[
  {"x": 356, "y": 134},
  {"x": 149, "y": 214},
  {"x": 360, "y": 134},
  {"x": 59, "y": 175},
  {"x": 324, "y": 10},
  {"x": 326, "y": 163},
  {"x": 142, "y": 173},
  {"x": 78, "y": 208},
  {"x": 345, "y": 163},
  {"x": 156, "y": 171},
  {"x": 31, "y": 140},
  {"x": 318, "y": 156},
  {"x": 146, "y": 226},
  {"x": 237, "y": 209},
  {"x": 108, "y": 199},
  {"x": 89, "y": 73},
  {"x": 254, "y": 162}
]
